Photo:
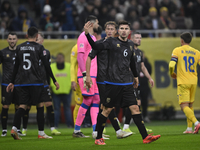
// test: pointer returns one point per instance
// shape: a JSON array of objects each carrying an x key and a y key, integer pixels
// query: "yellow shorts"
[
  {"x": 78, "y": 95},
  {"x": 186, "y": 93}
]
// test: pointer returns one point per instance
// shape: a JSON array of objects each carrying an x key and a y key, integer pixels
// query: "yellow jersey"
[
  {"x": 186, "y": 59},
  {"x": 74, "y": 64}
]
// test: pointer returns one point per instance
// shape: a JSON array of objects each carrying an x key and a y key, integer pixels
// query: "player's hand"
[
  {"x": 88, "y": 82},
  {"x": 74, "y": 85},
  {"x": 151, "y": 82},
  {"x": 57, "y": 85},
  {"x": 87, "y": 26},
  {"x": 173, "y": 75},
  {"x": 135, "y": 82},
  {"x": 10, "y": 87}
]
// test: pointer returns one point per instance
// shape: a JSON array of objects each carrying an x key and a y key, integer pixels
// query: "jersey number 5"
[
  {"x": 189, "y": 62},
  {"x": 25, "y": 55}
]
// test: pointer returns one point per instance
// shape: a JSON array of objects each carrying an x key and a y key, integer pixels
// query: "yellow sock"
[
  {"x": 189, "y": 122},
  {"x": 75, "y": 112},
  {"x": 189, "y": 113}
]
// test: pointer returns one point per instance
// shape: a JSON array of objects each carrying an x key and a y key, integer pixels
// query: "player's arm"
[
  {"x": 91, "y": 56},
  {"x": 146, "y": 73},
  {"x": 134, "y": 71},
  {"x": 73, "y": 62},
  {"x": 172, "y": 64},
  {"x": 47, "y": 67}
]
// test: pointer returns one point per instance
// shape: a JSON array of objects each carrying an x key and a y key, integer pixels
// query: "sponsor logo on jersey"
[
  {"x": 118, "y": 45},
  {"x": 7, "y": 55},
  {"x": 73, "y": 53},
  {"x": 81, "y": 45}
]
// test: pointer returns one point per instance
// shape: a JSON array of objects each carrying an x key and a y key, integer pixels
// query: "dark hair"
[
  {"x": 186, "y": 37},
  {"x": 136, "y": 32},
  {"x": 61, "y": 55},
  {"x": 98, "y": 30},
  {"x": 41, "y": 34},
  {"x": 32, "y": 32},
  {"x": 123, "y": 22},
  {"x": 110, "y": 23},
  {"x": 12, "y": 33},
  {"x": 90, "y": 18}
]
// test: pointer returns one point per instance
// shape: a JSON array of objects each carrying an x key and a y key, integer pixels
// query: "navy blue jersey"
[
  {"x": 7, "y": 59},
  {"x": 27, "y": 65},
  {"x": 139, "y": 59},
  {"x": 120, "y": 59},
  {"x": 43, "y": 71},
  {"x": 102, "y": 62}
]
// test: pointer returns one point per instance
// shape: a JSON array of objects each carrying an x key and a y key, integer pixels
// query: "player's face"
[
  {"x": 137, "y": 39},
  {"x": 110, "y": 30},
  {"x": 12, "y": 40},
  {"x": 124, "y": 31},
  {"x": 40, "y": 39},
  {"x": 96, "y": 24}
]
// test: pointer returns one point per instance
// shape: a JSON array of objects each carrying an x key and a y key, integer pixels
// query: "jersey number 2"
[
  {"x": 188, "y": 63},
  {"x": 26, "y": 60}
]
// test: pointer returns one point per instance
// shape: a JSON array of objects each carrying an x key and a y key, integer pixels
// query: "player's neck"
[
  {"x": 32, "y": 39},
  {"x": 135, "y": 47},
  {"x": 12, "y": 48},
  {"x": 91, "y": 31},
  {"x": 123, "y": 39}
]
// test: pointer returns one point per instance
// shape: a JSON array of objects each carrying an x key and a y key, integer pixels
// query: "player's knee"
[
  {"x": 134, "y": 109},
  {"x": 47, "y": 104}
]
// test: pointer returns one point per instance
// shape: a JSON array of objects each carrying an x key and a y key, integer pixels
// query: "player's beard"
[{"x": 12, "y": 46}]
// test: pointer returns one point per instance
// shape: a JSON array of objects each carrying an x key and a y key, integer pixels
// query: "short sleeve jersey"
[
  {"x": 43, "y": 71},
  {"x": 7, "y": 59},
  {"x": 120, "y": 55},
  {"x": 187, "y": 59},
  {"x": 84, "y": 47},
  {"x": 28, "y": 55},
  {"x": 102, "y": 62}
]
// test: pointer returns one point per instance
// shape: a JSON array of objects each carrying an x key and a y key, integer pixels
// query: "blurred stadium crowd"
[{"x": 69, "y": 15}]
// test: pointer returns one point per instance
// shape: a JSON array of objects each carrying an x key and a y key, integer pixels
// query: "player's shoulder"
[
  {"x": 179, "y": 48},
  {"x": 4, "y": 49}
]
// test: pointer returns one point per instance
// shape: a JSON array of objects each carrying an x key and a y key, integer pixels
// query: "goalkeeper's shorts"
[{"x": 93, "y": 89}]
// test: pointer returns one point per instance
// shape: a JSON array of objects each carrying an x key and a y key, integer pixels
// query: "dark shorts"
[
  {"x": 102, "y": 88},
  {"x": 46, "y": 95},
  {"x": 119, "y": 95},
  {"x": 136, "y": 92},
  {"x": 8, "y": 98},
  {"x": 30, "y": 95}
]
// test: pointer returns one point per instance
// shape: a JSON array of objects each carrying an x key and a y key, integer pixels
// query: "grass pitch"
[{"x": 172, "y": 138}]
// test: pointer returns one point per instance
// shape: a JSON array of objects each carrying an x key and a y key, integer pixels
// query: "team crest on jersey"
[
  {"x": 44, "y": 53},
  {"x": 81, "y": 45},
  {"x": 131, "y": 48},
  {"x": 108, "y": 100},
  {"x": 118, "y": 45},
  {"x": 7, "y": 55}
]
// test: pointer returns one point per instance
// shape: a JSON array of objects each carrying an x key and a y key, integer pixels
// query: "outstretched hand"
[{"x": 87, "y": 26}]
